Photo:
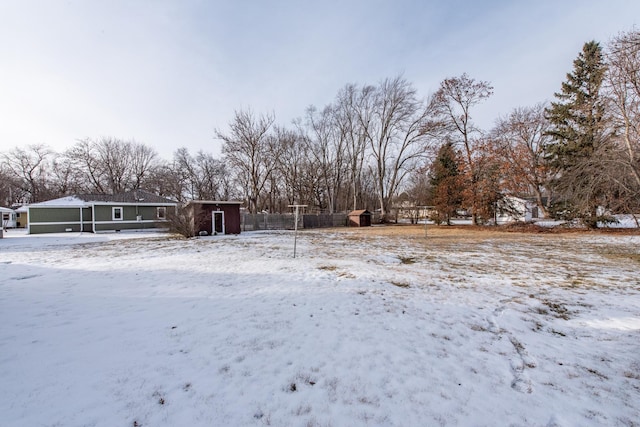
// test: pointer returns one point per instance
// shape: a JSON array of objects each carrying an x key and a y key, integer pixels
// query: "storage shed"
[
  {"x": 360, "y": 218},
  {"x": 215, "y": 216}
]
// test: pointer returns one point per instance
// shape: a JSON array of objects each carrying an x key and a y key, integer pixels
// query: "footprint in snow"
[{"x": 521, "y": 360}]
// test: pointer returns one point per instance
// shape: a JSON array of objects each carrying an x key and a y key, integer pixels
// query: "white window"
[
  {"x": 116, "y": 214},
  {"x": 161, "y": 212}
]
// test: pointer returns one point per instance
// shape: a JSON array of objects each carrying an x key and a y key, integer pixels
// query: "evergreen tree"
[
  {"x": 579, "y": 134},
  {"x": 445, "y": 180}
]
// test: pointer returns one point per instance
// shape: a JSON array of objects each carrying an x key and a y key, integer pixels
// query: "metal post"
[
  {"x": 295, "y": 227},
  {"x": 295, "y": 233},
  {"x": 425, "y": 208},
  {"x": 425, "y": 226}
]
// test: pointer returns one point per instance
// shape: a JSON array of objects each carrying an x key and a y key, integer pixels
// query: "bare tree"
[
  {"x": 81, "y": 155},
  {"x": 11, "y": 189},
  {"x": 65, "y": 178},
  {"x": 327, "y": 146},
  {"x": 143, "y": 161},
  {"x": 252, "y": 151},
  {"x": 111, "y": 165},
  {"x": 114, "y": 158},
  {"x": 452, "y": 104},
  {"x": 396, "y": 133},
  {"x": 295, "y": 173},
  {"x": 164, "y": 180},
  {"x": 519, "y": 141},
  {"x": 184, "y": 169},
  {"x": 353, "y": 113},
  {"x": 201, "y": 176},
  {"x": 29, "y": 170},
  {"x": 213, "y": 179},
  {"x": 623, "y": 86}
]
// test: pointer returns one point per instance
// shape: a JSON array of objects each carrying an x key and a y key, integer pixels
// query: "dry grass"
[
  {"x": 468, "y": 231},
  {"x": 576, "y": 260}
]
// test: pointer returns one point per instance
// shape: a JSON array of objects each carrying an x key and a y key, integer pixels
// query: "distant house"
[
  {"x": 215, "y": 216},
  {"x": 516, "y": 209},
  {"x": 133, "y": 210},
  {"x": 8, "y": 218},
  {"x": 22, "y": 214}
]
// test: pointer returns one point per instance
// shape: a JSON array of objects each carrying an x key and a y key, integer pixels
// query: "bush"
[{"x": 181, "y": 222}]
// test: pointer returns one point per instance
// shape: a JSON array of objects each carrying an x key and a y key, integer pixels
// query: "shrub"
[{"x": 181, "y": 222}]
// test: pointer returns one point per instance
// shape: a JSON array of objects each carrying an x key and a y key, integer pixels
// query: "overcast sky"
[{"x": 168, "y": 73}]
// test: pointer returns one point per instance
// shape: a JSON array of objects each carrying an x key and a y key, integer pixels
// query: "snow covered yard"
[{"x": 369, "y": 327}]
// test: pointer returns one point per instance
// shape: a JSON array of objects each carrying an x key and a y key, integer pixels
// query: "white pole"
[
  {"x": 295, "y": 232},
  {"x": 295, "y": 227}
]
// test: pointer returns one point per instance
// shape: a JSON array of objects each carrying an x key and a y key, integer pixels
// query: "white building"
[
  {"x": 516, "y": 209},
  {"x": 8, "y": 218}
]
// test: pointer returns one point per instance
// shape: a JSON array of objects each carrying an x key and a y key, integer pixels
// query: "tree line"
[{"x": 376, "y": 146}]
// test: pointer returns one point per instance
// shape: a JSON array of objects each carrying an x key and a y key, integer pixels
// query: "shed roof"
[
  {"x": 213, "y": 202},
  {"x": 6, "y": 209},
  {"x": 359, "y": 212}
]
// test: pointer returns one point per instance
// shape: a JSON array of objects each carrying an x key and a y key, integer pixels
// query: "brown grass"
[{"x": 471, "y": 231}]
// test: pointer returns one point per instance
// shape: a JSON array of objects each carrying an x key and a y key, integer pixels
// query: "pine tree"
[
  {"x": 445, "y": 182},
  {"x": 578, "y": 130}
]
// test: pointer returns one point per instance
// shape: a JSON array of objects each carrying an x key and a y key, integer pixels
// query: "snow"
[
  {"x": 67, "y": 201},
  {"x": 361, "y": 329},
  {"x": 623, "y": 221}
]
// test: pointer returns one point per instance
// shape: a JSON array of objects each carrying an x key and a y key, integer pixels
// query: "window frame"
[
  {"x": 115, "y": 209},
  {"x": 162, "y": 209}
]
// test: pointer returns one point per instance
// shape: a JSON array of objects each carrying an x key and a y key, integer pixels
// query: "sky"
[{"x": 169, "y": 73}]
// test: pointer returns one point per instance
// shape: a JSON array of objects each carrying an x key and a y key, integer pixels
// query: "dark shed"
[
  {"x": 360, "y": 218},
  {"x": 215, "y": 216}
]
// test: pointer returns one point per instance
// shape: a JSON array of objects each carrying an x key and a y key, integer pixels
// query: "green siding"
[
  {"x": 128, "y": 226},
  {"x": 55, "y": 214},
  {"x": 147, "y": 212},
  {"x": 129, "y": 213},
  {"x": 57, "y": 228},
  {"x": 103, "y": 213},
  {"x": 43, "y": 217}
]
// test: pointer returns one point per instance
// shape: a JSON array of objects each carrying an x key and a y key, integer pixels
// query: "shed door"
[{"x": 218, "y": 222}]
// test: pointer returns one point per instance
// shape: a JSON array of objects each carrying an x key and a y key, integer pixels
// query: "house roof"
[
  {"x": 6, "y": 210},
  {"x": 81, "y": 200},
  {"x": 136, "y": 196},
  {"x": 68, "y": 201},
  {"x": 359, "y": 212}
]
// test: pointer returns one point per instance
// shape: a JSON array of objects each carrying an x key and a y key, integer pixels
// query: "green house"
[{"x": 94, "y": 213}]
